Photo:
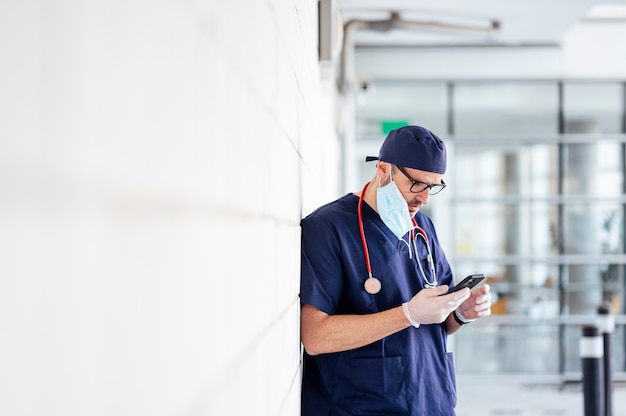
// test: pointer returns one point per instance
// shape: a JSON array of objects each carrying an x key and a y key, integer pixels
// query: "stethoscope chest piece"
[{"x": 372, "y": 285}]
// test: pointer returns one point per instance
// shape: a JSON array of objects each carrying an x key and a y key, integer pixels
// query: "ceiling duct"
[{"x": 395, "y": 22}]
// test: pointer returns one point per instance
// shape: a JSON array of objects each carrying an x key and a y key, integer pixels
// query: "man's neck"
[{"x": 370, "y": 195}]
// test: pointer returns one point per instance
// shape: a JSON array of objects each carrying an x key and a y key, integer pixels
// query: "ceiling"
[{"x": 521, "y": 23}]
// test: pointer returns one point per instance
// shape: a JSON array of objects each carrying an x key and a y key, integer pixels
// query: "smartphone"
[{"x": 470, "y": 281}]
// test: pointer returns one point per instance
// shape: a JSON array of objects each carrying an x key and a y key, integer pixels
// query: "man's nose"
[{"x": 423, "y": 196}]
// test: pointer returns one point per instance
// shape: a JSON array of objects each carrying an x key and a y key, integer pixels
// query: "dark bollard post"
[
  {"x": 591, "y": 352},
  {"x": 606, "y": 324}
]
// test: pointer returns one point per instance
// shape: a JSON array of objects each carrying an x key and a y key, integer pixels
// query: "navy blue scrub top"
[{"x": 407, "y": 373}]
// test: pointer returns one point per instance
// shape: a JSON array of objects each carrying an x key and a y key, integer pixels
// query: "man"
[{"x": 374, "y": 310}]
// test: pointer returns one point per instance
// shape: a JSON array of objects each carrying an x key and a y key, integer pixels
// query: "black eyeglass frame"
[{"x": 438, "y": 187}]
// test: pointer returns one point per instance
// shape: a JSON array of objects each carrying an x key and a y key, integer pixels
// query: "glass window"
[
  {"x": 532, "y": 170},
  {"x": 593, "y": 168},
  {"x": 498, "y": 169},
  {"x": 505, "y": 108},
  {"x": 593, "y": 228},
  {"x": 512, "y": 349},
  {"x": 592, "y": 107}
]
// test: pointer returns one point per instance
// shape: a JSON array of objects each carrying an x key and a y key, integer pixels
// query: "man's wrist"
[{"x": 460, "y": 318}]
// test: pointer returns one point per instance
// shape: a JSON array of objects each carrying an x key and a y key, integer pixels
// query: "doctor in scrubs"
[{"x": 374, "y": 310}]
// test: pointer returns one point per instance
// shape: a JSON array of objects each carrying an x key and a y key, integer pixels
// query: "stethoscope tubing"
[{"x": 377, "y": 284}]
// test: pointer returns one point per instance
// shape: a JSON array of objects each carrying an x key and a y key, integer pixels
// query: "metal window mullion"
[
  {"x": 623, "y": 166},
  {"x": 560, "y": 224}
]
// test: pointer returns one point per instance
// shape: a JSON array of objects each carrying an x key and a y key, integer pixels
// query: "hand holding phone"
[{"x": 470, "y": 281}]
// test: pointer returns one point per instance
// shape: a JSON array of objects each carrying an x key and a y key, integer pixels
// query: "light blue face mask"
[{"x": 393, "y": 209}]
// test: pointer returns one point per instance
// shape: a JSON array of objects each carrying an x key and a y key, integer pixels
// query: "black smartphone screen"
[{"x": 470, "y": 281}]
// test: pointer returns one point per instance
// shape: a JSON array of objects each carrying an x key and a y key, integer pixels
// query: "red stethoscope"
[{"x": 372, "y": 284}]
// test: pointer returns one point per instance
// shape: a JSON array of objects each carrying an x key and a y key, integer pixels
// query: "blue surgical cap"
[{"x": 414, "y": 147}]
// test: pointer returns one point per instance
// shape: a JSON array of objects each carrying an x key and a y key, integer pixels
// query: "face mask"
[{"x": 393, "y": 209}]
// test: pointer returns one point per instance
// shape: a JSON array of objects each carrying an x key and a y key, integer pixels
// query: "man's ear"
[{"x": 383, "y": 169}]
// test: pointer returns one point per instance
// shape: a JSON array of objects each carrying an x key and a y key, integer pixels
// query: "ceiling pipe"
[{"x": 395, "y": 22}]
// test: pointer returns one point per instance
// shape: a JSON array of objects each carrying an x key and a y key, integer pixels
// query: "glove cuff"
[{"x": 407, "y": 313}]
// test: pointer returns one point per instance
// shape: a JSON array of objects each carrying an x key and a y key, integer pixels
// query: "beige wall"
[{"x": 155, "y": 160}]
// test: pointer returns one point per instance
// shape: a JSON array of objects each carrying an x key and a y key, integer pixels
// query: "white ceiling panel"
[{"x": 529, "y": 22}]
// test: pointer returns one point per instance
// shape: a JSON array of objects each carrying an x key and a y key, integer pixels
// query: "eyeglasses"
[{"x": 419, "y": 186}]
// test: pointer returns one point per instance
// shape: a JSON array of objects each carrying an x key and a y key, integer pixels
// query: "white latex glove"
[
  {"x": 429, "y": 307},
  {"x": 478, "y": 305}
]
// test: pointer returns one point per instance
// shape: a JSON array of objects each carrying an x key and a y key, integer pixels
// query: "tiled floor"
[{"x": 499, "y": 396}]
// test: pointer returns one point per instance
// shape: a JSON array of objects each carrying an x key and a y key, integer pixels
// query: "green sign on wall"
[{"x": 387, "y": 125}]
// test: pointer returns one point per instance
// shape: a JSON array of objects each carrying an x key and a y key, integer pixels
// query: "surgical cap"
[{"x": 413, "y": 147}]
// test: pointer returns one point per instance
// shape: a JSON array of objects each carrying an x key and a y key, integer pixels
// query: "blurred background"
[{"x": 156, "y": 158}]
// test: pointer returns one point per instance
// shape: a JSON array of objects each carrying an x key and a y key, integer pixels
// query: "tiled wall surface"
[{"x": 155, "y": 160}]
